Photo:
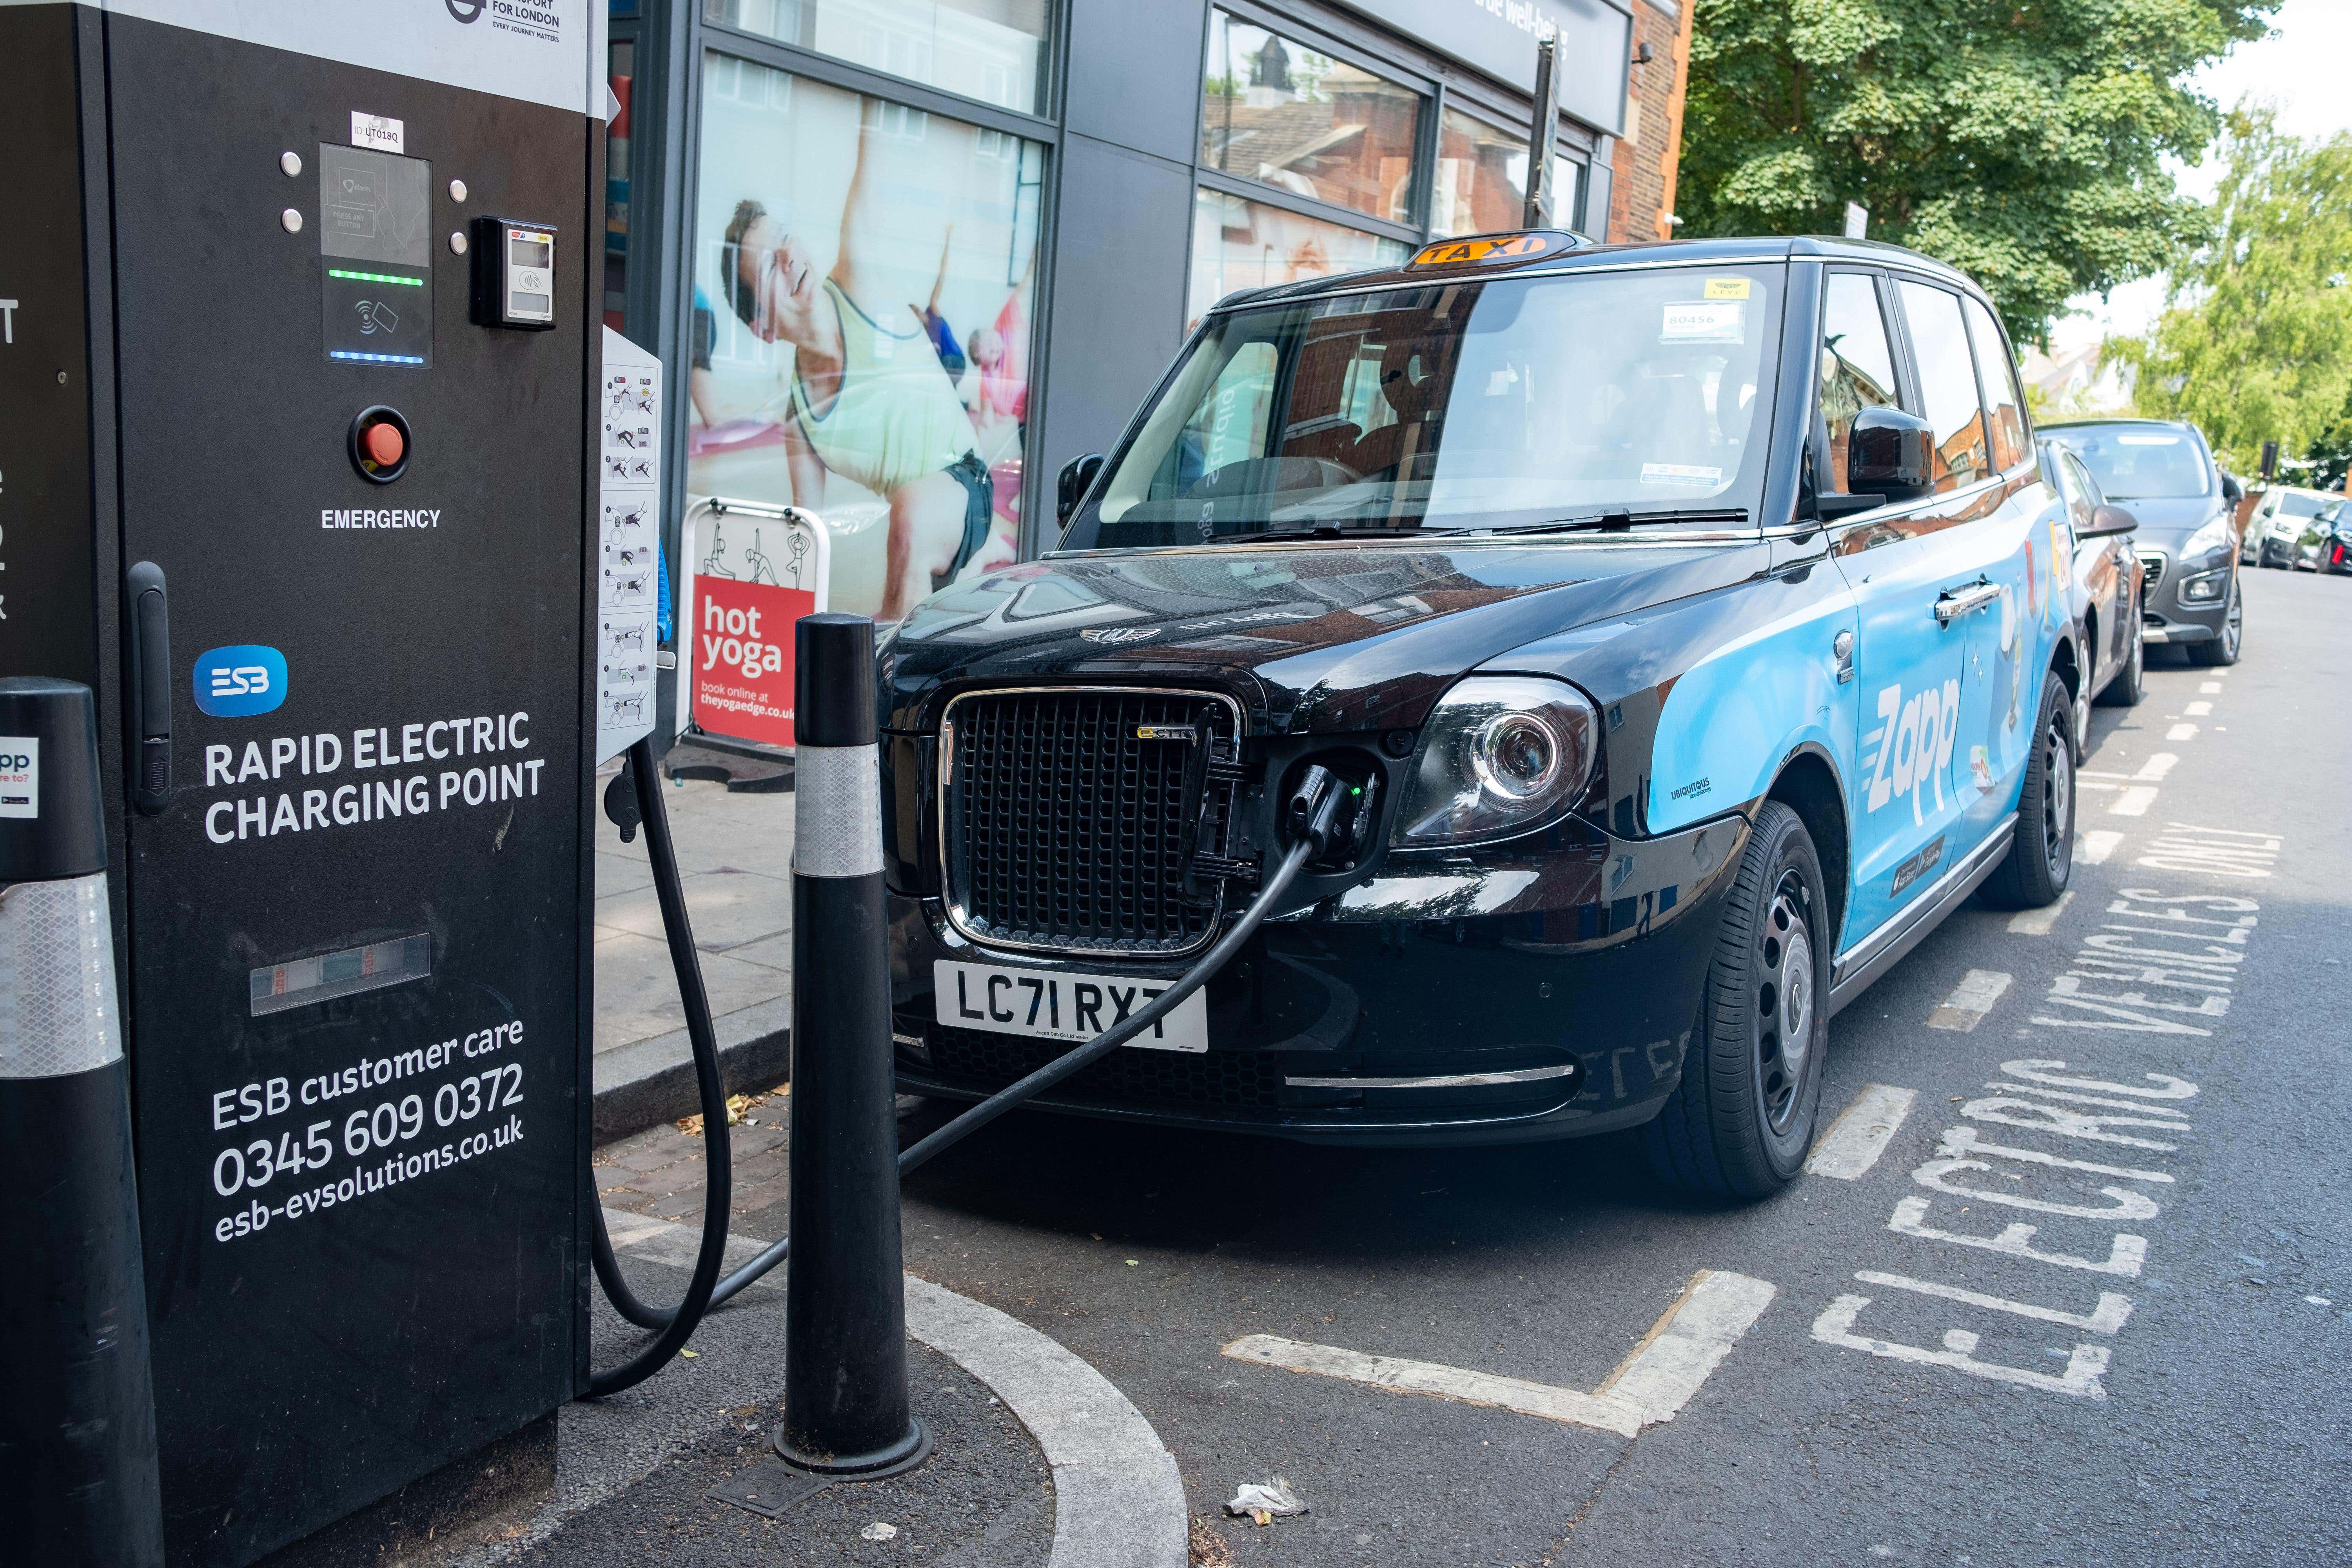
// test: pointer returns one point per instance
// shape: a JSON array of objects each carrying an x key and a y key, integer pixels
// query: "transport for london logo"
[{"x": 240, "y": 682}]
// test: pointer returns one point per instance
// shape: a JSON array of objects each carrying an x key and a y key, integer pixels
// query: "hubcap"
[
  {"x": 1785, "y": 1002},
  {"x": 2057, "y": 795},
  {"x": 2233, "y": 628}
]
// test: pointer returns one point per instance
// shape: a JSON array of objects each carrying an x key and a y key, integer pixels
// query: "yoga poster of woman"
[{"x": 862, "y": 326}]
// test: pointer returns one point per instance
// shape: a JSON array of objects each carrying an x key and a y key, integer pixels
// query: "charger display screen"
[{"x": 375, "y": 221}]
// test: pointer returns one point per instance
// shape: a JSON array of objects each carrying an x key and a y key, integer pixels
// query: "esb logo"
[{"x": 240, "y": 682}]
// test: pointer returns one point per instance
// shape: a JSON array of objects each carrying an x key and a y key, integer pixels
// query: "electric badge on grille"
[{"x": 1187, "y": 733}]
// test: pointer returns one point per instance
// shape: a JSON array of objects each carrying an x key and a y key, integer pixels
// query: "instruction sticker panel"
[{"x": 628, "y": 565}]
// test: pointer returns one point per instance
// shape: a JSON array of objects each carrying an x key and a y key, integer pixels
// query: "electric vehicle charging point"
[{"x": 340, "y": 643}]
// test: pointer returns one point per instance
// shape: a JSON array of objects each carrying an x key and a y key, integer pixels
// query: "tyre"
[
  {"x": 2128, "y": 685},
  {"x": 2041, "y": 859},
  {"x": 1741, "y": 1122},
  {"x": 2223, "y": 649}
]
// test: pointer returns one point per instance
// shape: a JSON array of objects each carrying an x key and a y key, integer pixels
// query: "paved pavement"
[
  {"x": 2078, "y": 1290},
  {"x": 734, "y": 853}
]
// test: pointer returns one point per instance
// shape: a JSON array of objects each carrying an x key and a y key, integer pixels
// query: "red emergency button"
[{"x": 380, "y": 443}]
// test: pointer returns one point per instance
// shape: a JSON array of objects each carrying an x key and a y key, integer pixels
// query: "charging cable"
[{"x": 1310, "y": 818}]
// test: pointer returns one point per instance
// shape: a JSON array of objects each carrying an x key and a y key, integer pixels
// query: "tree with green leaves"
[
  {"x": 2018, "y": 139},
  {"x": 2256, "y": 342}
]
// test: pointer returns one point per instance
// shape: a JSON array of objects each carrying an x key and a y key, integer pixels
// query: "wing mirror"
[
  {"x": 1077, "y": 477},
  {"x": 2232, "y": 491},
  {"x": 1891, "y": 452},
  {"x": 2106, "y": 521}
]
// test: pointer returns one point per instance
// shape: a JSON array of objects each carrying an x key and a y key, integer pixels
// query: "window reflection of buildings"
[{"x": 985, "y": 49}]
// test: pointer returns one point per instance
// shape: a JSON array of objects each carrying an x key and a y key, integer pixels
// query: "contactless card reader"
[{"x": 514, "y": 274}]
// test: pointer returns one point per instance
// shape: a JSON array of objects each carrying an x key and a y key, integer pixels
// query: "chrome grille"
[
  {"x": 2153, "y": 564},
  {"x": 1066, "y": 829}
]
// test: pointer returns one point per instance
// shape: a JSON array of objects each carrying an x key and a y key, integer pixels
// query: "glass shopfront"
[
  {"x": 864, "y": 309},
  {"x": 989, "y": 50},
  {"x": 905, "y": 258}
]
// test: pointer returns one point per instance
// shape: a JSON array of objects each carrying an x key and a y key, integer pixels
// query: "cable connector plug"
[{"x": 1312, "y": 812}]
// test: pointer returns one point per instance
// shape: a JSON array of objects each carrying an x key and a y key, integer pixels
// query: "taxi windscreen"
[{"x": 1455, "y": 405}]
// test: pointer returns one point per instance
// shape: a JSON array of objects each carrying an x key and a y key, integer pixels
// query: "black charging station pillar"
[
  {"x": 846, "y": 1411},
  {"x": 78, "y": 1469}
]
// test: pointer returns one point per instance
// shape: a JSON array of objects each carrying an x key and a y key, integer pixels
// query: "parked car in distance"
[
  {"x": 2274, "y": 531},
  {"x": 2325, "y": 543},
  {"x": 2164, "y": 471},
  {"x": 1688, "y": 623},
  {"x": 2107, "y": 576}
]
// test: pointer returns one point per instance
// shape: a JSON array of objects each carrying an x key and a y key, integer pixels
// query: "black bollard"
[
  {"x": 78, "y": 1469},
  {"x": 846, "y": 1411}
]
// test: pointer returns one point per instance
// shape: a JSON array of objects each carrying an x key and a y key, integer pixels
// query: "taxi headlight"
[{"x": 1501, "y": 755}]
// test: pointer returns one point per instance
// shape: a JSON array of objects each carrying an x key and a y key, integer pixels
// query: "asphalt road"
[{"x": 2157, "y": 1372}]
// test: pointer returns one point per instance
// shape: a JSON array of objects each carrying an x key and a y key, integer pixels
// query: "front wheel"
[
  {"x": 2041, "y": 859},
  {"x": 1740, "y": 1123},
  {"x": 2222, "y": 650}
]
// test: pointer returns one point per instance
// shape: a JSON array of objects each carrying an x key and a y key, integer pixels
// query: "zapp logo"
[
  {"x": 240, "y": 682},
  {"x": 1915, "y": 743}
]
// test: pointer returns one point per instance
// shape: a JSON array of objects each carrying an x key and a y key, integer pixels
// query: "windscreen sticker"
[
  {"x": 1705, "y": 322},
  {"x": 1680, "y": 474},
  {"x": 1726, "y": 288}
]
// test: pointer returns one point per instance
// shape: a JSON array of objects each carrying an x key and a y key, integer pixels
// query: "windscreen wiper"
[
  {"x": 1614, "y": 518},
  {"x": 1321, "y": 531}
]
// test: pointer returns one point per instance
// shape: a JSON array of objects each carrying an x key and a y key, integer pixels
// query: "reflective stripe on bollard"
[
  {"x": 846, "y": 1410},
  {"x": 78, "y": 1468}
]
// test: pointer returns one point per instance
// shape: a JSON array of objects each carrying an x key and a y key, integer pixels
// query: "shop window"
[
  {"x": 1240, "y": 244},
  {"x": 992, "y": 50},
  {"x": 863, "y": 278},
  {"x": 1277, "y": 111},
  {"x": 1481, "y": 185}
]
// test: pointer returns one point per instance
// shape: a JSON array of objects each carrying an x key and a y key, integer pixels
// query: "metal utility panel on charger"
[{"x": 351, "y": 860}]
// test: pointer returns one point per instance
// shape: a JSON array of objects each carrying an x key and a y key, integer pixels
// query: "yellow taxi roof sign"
[{"x": 1493, "y": 249}]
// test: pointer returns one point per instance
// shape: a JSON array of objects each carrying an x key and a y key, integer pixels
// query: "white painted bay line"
[
  {"x": 1688, "y": 1342},
  {"x": 1970, "y": 1000},
  {"x": 1650, "y": 1386},
  {"x": 2105, "y": 1319},
  {"x": 2133, "y": 802},
  {"x": 2156, "y": 767},
  {"x": 2210, "y": 688},
  {"x": 2198, "y": 711},
  {"x": 2181, "y": 732},
  {"x": 2037, "y": 923},
  {"x": 1860, "y": 1135},
  {"x": 2097, "y": 845},
  {"x": 1399, "y": 1377}
]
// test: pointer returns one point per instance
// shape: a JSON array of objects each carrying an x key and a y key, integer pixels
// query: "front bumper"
[
  {"x": 2167, "y": 614},
  {"x": 1559, "y": 977}
]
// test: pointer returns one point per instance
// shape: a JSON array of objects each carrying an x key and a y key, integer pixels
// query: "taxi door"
[
  {"x": 1916, "y": 577},
  {"x": 2015, "y": 565}
]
